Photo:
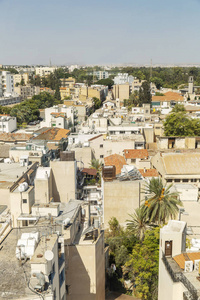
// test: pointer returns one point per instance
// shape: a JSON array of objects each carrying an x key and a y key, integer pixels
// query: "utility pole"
[{"x": 151, "y": 70}]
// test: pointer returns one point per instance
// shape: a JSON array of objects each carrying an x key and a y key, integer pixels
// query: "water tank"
[
  {"x": 23, "y": 187},
  {"x": 66, "y": 221}
]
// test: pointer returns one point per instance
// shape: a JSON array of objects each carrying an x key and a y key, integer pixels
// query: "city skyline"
[{"x": 108, "y": 32}]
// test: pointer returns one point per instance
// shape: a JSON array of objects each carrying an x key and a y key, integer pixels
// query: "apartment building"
[
  {"x": 44, "y": 71},
  {"x": 27, "y": 91},
  {"x": 6, "y": 84},
  {"x": 67, "y": 82},
  {"x": 7, "y": 123},
  {"x": 123, "y": 78},
  {"x": 121, "y": 91},
  {"x": 59, "y": 116},
  {"x": 18, "y": 78}
]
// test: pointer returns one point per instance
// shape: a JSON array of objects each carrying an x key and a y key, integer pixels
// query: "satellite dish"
[{"x": 49, "y": 255}]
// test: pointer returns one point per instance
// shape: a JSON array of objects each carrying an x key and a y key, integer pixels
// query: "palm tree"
[
  {"x": 95, "y": 164},
  {"x": 138, "y": 223},
  {"x": 161, "y": 204}
]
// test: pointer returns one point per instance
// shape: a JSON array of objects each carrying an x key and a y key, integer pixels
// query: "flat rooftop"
[
  {"x": 10, "y": 172},
  {"x": 13, "y": 284}
]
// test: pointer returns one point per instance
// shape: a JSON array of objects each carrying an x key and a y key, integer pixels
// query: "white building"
[
  {"x": 123, "y": 78},
  {"x": 7, "y": 123},
  {"x": 6, "y": 84},
  {"x": 60, "y": 117},
  {"x": 44, "y": 71}
]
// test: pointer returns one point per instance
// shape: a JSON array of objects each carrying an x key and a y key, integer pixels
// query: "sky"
[{"x": 99, "y": 32}]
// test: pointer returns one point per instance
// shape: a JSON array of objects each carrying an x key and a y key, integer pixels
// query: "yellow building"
[{"x": 121, "y": 91}]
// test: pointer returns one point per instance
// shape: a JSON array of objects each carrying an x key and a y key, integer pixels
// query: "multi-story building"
[
  {"x": 60, "y": 117},
  {"x": 67, "y": 82},
  {"x": 27, "y": 91},
  {"x": 7, "y": 123},
  {"x": 6, "y": 84},
  {"x": 18, "y": 78},
  {"x": 123, "y": 78},
  {"x": 44, "y": 71}
]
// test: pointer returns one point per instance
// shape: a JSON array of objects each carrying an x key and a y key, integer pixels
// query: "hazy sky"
[{"x": 99, "y": 31}]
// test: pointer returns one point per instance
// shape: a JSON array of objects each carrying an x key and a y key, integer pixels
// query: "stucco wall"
[
  {"x": 63, "y": 180},
  {"x": 120, "y": 198}
]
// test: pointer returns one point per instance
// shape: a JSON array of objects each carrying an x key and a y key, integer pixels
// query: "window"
[
  {"x": 169, "y": 180},
  {"x": 24, "y": 201},
  {"x": 133, "y": 160},
  {"x": 101, "y": 146},
  {"x": 193, "y": 180},
  {"x": 176, "y": 180},
  {"x": 101, "y": 156},
  {"x": 185, "y": 180}
]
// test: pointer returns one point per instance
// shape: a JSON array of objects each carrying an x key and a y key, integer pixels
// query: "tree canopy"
[{"x": 177, "y": 123}]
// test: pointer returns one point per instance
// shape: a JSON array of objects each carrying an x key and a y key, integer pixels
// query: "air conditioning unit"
[
  {"x": 196, "y": 265},
  {"x": 188, "y": 266}
]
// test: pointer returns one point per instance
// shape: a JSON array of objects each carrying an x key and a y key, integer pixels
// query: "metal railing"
[{"x": 192, "y": 293}]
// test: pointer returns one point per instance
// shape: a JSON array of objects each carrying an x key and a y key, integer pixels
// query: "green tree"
[
  {"x": 138, "y": 223},
  {"x": 95, "y": 164},
  {"x": 158, "y": 82},
  {"x": 142, "y": 266},
  {"x": 145, "y": 93},
  {"x": 178, "y": 124},
  {"x": 179, "y": 108},
  {"x": 108, "y": 82},
  {"x": 161, "y": 204},
  {"x": 57, "y": 93},
  {"x": 97, "y": 102}
]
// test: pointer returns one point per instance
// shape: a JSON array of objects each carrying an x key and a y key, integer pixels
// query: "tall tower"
[{"x": 190, "y": 85}]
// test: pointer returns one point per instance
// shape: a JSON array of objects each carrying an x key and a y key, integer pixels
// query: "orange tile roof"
[
  {"x": 136, "y": 153},
  {"x": 57, "y": 115},
  {"x": 13, "y": 137},
  {"x": 53, "y": 134},
  {"x": 169, "y": 96},
  {"x": 115, "y": 160},
  {"x": 183, "y": 257},
  {"x": 89, "y": 171},
  {"x": 148, "y": 172}
]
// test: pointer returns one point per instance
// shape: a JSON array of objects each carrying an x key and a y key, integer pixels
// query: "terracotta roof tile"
[
  {"x": 183, "y": 257},
  {"x": 53, "y": 134},
  {"x": 136, "y": 153},
  {"x": 169, "y": 96},
  {"x": 14, "y": 137},
  {"x": 115, "y": 160},
  {"x": 148, "y": 172},
  {"x": 89, "y": 171}
]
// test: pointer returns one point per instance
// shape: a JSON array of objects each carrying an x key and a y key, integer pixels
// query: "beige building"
[
  {"x": 27, "y": 91},
  {"x": 120, "y": 197},
  {"x": 67, "y": 82},
  {"x": 64, "y": 186},
  {"x": 121, "y": 91},
  {"x": 18, "y": 78},
  {"x": 178, "y": 167}
]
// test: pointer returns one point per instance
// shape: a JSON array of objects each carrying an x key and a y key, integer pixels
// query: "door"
[{"x": 168, "y": 248}]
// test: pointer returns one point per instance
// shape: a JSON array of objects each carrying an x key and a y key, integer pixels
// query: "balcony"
[{"x": 177, "y": 275}]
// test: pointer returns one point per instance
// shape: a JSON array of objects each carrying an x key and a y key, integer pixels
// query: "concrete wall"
[
  {"x": 63, "y": 180},
  {"x": 149, "y": 135},
  {"x": 43, "y": 189},
  {"x": 120, "y": 198},
  {"x": 17, "y": 207},
  {"x": 85, "y": 155},
  {"x": 121, "y": 91},
  {"x": 85, "y": 272},
  {"x": 190, "y": 142}
]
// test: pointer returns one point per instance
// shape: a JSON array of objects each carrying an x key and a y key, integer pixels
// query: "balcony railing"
[{"x": 192, "y": 293}]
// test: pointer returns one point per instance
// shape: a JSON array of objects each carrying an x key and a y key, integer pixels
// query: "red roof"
[
  {"x": 115, "y": 160},
  {"x": 92, "y": 172},
  {"x": 149, "y": 172},
  {"x": 136, "y": 153}
]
